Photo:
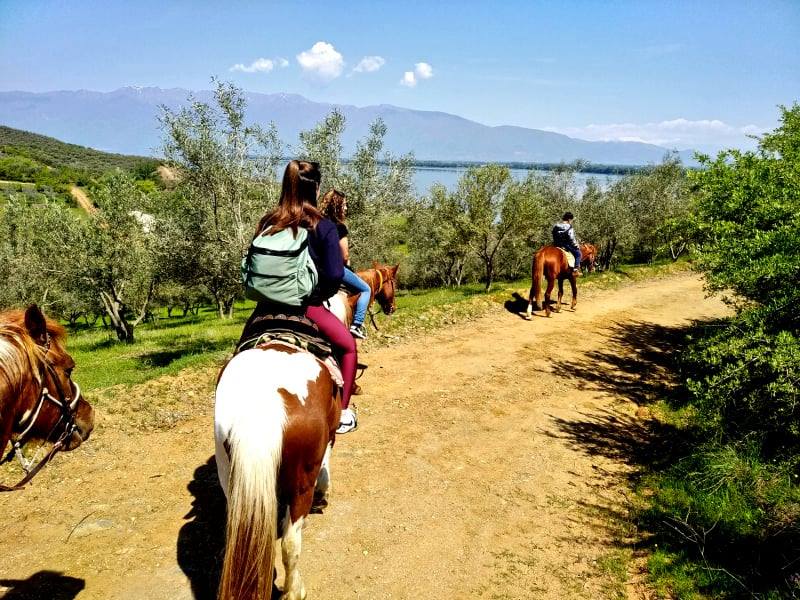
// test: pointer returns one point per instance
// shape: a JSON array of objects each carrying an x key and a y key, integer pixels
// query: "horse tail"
[
  {"x": 253, "y": 444},
  {"x": 536, "y": 275}
]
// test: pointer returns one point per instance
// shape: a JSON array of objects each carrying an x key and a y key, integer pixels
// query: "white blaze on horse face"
[{"x": 291, "y": 546}]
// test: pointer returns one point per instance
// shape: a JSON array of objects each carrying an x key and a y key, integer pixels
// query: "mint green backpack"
[{"x": 278, "y": 268}]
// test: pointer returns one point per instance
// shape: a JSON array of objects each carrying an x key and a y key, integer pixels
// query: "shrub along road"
[{"x": 490, "y": 463}]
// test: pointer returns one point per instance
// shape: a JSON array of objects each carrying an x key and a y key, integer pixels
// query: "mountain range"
[{"x": 125, "y": 121}]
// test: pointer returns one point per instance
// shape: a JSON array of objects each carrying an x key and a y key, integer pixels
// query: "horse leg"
[
  {"x": 550, "y": 285},
  {"x": 323, "y": 488},
  {"x": 291, "y": 545},
  {"x": 573, "y": 284},
  {"x": 560, "y": 293},
  {"x": 292, "y": 541},
  {"x": 531, "y": 301}
]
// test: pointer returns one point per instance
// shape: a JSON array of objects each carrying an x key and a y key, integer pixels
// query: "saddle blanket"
[
  {"x": 570, "y": 258},
  {"x": 329, "y": 362}
]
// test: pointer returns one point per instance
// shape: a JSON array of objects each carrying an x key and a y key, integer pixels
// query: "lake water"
[{"x": 425, "y": 177}]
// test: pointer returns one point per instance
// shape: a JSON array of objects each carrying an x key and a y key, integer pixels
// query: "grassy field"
[{"x": 171, "y": 345}]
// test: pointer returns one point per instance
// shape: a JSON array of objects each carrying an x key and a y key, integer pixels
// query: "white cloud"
[
  {"x": 321, "y": 61},
  {"x": 282, "y": 62},
  {"x": 423, "y": 70},
  {"x": 409, "y": 79},
  {"x": 259, "y": 65},
  {"x": 704, "y": 134},
  {"x": 369, "y": 64}
]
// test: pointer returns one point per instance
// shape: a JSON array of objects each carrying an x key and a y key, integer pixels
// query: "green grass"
[
  {"x": 614, "y": 565},
  {"x": 16, "y": 185},
  {"x": 164, "y": 348}
]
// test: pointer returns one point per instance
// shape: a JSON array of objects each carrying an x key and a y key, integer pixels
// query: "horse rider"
[
  {"x": 298, "y": 208},
  {"x": 334, "y": 206},
  {"x": 564, "y": 237}
]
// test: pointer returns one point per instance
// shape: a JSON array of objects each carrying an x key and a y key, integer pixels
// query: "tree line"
[{"x": 178, "y": 244}]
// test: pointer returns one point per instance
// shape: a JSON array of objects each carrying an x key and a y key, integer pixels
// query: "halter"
[{"x": 68, "y": 407}]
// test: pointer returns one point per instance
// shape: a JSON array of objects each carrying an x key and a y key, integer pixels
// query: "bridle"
[
  {"x": 381, "y": 281},
  {"x": 68, "y": 405}
]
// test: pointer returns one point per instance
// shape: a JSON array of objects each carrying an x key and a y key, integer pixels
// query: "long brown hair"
[
  {"x": 334, "y": 206},
  {"x": 298, "y": 204}
]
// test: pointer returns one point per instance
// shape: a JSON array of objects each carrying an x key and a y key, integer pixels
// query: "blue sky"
[{"x": 682, "y": 74}]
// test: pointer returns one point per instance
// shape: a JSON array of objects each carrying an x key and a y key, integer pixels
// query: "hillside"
[
  {"x": 56, "y": 154},
  {"x": 125, "y": 120}
]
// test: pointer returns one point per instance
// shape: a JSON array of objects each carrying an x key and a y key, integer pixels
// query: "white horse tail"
[{"x": 249, "y": 429}]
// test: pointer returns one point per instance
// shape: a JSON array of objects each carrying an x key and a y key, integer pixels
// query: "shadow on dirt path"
[
  {"x": 43, "y": 585},
  {"x": 201, "y": 541},
  {"x": 641, "y": 364}
]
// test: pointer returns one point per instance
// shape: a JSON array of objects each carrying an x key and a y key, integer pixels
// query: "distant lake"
[{"x": 424, "y": 177}]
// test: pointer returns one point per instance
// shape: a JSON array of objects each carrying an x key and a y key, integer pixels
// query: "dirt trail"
[
  {"x": 82, "y": 199},
  {"x": 488, "y": 465}
]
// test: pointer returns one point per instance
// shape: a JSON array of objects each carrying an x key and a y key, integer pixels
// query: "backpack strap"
[{"x": 282, "y": 253}]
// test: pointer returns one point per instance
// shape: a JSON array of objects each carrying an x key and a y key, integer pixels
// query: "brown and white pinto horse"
[
  {"x": 588, "y": 257},
  {"x": 38, "y": 399},
  {"x": 275, "y": 419},
  {"x": 276, "y": 414},
  {"x": 550, "y": 262}
]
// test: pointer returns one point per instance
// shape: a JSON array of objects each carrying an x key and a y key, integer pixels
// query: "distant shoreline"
[{"x": 579, "y": 166}]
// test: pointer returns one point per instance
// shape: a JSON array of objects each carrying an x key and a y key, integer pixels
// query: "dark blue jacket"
[{"x": 323, "y": 246}]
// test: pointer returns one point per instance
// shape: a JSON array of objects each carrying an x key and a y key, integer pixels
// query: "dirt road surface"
[
  {"x": 488, "y": 464},
  {"x": 82, "y": 199}
]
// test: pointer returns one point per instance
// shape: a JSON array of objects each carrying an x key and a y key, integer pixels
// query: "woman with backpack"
[
  {"x": 296, "y": 211},
  {"x": 334, "y": 206}
]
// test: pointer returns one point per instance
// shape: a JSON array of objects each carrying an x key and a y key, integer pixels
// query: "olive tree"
[
  {"x": 438, "y": 239},
  {"x": 116, "y": 253},
  {"x": 497, "y": 209},
  {"x": 227, "y": 180},
  {"x": 377, "y": 185}
]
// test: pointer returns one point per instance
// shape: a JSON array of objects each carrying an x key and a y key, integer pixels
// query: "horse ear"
[
  {"x": 394, "y": 269},
  {"x": 36, "y": 324},
  {"x": 375, "y": 265}
]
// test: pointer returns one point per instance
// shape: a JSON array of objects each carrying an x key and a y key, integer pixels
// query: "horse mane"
[{"x": 19, "y": 352}]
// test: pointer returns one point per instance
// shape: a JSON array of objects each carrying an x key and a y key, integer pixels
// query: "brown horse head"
[
  {"x": 588, "y": 256},
  {"x": 386, "y": 286},
  {"x": 38, "y": 399}
]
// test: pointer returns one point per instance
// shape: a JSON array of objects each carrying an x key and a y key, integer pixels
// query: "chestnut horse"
[
  {"x": 382, "y": 282},
  {"x": 277, "y": 410},
  {"x": 588, "y": 256},
  {"x": 38, "y": 399},
  {"x": 550, "y": 262}
]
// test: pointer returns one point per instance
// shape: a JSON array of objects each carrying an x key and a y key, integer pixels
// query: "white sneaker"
[
  {"x": 358, "y": 331},
  {"x": 347, "y": 422}
]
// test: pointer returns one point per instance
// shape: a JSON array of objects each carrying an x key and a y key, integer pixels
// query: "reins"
[
  {"x": 369, "y": 309},
  {"x": 68, "y": 407}
]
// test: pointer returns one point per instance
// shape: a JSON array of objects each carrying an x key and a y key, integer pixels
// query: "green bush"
[{"x": 726, "y": 516}]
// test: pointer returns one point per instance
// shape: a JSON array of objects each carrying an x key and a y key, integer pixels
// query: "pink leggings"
[{"x": 344, "y": 345}]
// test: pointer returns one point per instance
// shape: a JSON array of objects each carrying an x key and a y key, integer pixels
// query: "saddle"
[
  {"x": 293, "y": 331},
  {"x": 570, "y": 257}
]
